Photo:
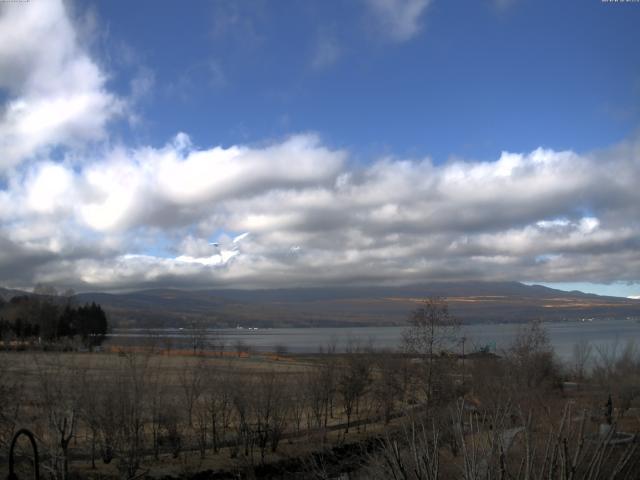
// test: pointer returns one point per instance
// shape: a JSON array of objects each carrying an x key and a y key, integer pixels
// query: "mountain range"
[{"x": 471, "y": 302}]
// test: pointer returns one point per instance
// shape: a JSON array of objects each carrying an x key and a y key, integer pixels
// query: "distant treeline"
[{"x": 50, "y": 319}]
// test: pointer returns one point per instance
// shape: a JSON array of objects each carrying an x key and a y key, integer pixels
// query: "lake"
[{"x": 563, "y": 336}]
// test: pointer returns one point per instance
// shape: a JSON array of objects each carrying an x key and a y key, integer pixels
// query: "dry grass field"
[{"x": 142, "y": 412}]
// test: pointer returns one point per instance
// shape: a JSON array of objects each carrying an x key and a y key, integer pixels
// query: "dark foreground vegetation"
[
  {"x": 419, "y": 413},
  {"x": 50, "y": 320}
]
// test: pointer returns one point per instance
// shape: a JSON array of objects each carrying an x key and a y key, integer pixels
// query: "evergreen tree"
[{"x": 47, "y": 317}]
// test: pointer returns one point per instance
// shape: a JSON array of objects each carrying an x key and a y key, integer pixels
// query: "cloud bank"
[
  {"x": 78, "y": 210},
  {"x": 138, "y": 217}
]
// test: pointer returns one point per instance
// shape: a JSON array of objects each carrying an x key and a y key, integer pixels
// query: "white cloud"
[
  {"x": 291, "y": 212},
  {"x": 56, "y": 93},
  {"x": 50, "y": 189},
  {"x": 399, "y": 20},
  {"x": 314, "y": 219},
  {"x": 177, "y": 184}
]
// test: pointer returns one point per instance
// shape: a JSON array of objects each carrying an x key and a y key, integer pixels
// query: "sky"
[{"x": 262, "y": 144}]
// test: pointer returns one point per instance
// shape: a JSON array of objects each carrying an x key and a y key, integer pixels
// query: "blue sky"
[
  {"x": 364, "y": 142},
  {"x": 475, "y": 79}
]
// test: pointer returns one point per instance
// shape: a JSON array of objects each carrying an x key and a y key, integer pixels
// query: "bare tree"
[
  {"x": 298, "y": 399},
  {"x": 171, "y": 425},
  {"x": 532, "y": 358},
  {"x": 120, "y": 413},
  {"x": 562, "y": 450},
  {"x": 316, "y": 397},
  {"x": 269, "y": 409},
  {"x": 130, "y": 398},
  {"x": 156, "y": 405},
  {"x": 191, "y": 380},
  {"x": 241, "y": 399},
  {"x": 628, "y": 376},
  {"x": 60, "y": 400},
  {"x": 431, "y": 330},
  {"x": 321, "y": 384},
  {"x": 91, "y": 393},
  {"x": 198, "y": 336},
  {"x": 581, "y": 355},
  {"x": 105, "y": 416},
  {"x": 414, "y": 456},
  {"x": 618, "y": 370},
  {"x": 11, "y": 395},
  {"x": 201, "y": 423},
  {"x": 353, "y": 379},
  {"x": 219, "y": 396},
  {"x": 387, "y": 386}
]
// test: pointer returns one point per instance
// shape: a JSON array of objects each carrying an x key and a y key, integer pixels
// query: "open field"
[
  {"x": 179, "y": 402},
  {"x": 157, "y": 413}
]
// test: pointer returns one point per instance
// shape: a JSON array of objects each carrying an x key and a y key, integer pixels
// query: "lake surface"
[{"x": 563, "y": 336}]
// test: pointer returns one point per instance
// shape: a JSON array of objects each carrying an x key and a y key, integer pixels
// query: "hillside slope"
[{"x": 470, "y": 301}]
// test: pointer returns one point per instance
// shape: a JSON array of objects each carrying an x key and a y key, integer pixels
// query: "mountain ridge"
[
  {"x": 472, "y": 302},
  {"x": 335, "y": 306}
]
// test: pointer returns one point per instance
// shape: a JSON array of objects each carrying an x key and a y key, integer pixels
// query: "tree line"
[{"x": 49, "y": 319}]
